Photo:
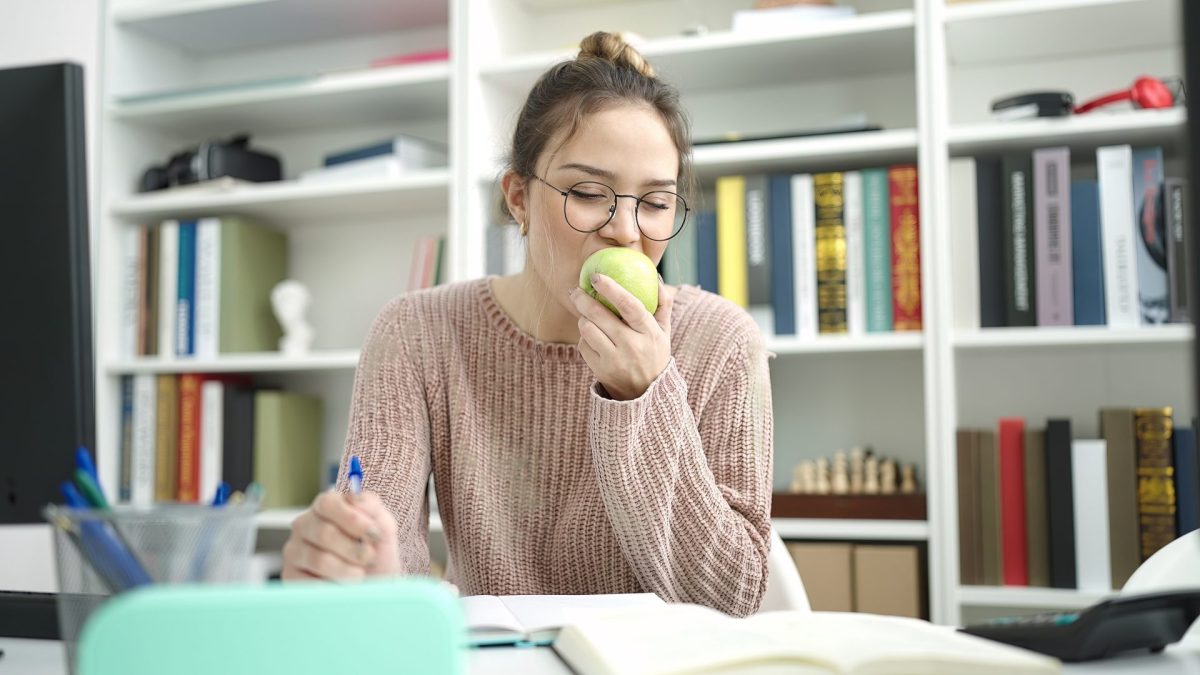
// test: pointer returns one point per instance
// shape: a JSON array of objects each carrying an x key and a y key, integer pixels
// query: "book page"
[
  {"x": 537, "y": 613},
  {"x": 488, "y": 620}
]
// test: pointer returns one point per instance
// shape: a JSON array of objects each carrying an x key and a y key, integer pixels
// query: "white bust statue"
[{"x": 289, "y": 300}]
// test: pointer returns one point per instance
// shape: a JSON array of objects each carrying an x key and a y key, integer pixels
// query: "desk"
[{"x": 45, "y": 657}]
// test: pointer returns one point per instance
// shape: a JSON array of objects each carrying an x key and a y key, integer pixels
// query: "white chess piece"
[
  {"x": 856, "y": 471},
  {"x": 289, "y": 300},
  {"x": 908, "y": 479},
  {"x": 871, "y": 475},
  {"x": 887, "y": 477},
  {"x": 808, "y": 477},
  {"x": 797, "y": 482},
  {"x": 839, "y": 479},
  {"x": 823, "y": 487}
]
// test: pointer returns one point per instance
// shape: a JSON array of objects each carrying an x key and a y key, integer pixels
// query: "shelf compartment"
[
  {"x": 863, "y": 45},
  {"x": 1028, "y": 597},
  {"x": 809, "y": 153},
  {"x": 259, "y": 362},
  {"x": 1072, "y": 336},
  {"x": 851, "y": 529},
  {"x": 222, "y": 26},
  {"x": 361, "y": 97},
  {"x": 294, "y": 200},
  {"x": 978, "y": 33},
  {"x": 832, "y": 344},
  {"x": 1139, "y": 127}
]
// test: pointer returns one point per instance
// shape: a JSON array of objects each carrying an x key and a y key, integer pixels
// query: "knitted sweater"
[{"x": 545, "y": 485}]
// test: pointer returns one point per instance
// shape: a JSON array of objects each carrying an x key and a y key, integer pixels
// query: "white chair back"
[{"x": 785, "y": 589}]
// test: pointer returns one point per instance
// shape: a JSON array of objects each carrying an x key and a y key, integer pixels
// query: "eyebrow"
[{"x": 609, "y": 175}]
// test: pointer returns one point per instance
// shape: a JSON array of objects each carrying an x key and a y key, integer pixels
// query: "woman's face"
[{"x": 626, "y": 147}]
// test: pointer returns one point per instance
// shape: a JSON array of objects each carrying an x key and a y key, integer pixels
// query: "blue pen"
[
  {"x": 111, "y": 559},
  {"x": 222, "y": 494},
  {"x": 355, "y": 475},
  {"x": 83, "y": 460}
]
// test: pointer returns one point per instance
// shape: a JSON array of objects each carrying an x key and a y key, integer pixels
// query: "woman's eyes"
[{"x": 579, "y": 194}]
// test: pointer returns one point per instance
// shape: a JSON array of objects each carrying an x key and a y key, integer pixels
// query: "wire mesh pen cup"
[{"x": 102, "y": 553}]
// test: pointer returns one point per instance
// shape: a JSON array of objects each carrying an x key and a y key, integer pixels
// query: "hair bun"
[{"x": 612, "y": 47}]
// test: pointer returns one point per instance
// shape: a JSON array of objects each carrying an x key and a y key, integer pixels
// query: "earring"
[{"x": 524, "y": 227}]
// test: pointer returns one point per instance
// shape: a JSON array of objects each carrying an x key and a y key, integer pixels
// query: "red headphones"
[{"x": 1146, "y": 92}]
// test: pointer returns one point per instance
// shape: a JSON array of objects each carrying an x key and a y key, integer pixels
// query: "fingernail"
[
  {"x": 595, "y": 278},
  {"x": 373, "y": 534}
]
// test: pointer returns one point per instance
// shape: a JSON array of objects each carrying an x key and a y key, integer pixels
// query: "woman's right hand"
[{"x": 342, "y": 537}]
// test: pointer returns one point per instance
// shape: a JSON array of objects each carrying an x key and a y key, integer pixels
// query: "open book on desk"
[
  {"x": 683, "y": 639},
  {"x": 536, "y": 619}
]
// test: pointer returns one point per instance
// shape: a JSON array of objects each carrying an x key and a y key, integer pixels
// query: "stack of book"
[{"x": 383, "y": 159}]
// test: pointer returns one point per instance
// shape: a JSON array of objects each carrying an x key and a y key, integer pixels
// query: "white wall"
[{"x": 35, "y": 32}]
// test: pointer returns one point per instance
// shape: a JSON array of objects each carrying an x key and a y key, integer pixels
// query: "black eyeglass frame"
[{"x": 612, "y": 210}]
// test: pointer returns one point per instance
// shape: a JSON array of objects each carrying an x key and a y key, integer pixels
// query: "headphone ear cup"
[{"x": 1149, "y": 92}]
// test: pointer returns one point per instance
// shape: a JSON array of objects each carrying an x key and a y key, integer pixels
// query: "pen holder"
[{"x": 102, "y": 553}]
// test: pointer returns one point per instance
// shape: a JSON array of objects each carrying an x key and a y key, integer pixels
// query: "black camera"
[{"x": 213, "y": 159}]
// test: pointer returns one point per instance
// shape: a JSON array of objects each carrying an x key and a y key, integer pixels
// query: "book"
[
  {"x": 145, "y": 429},
  {"x": 1037, "y": 533},
  {"x": 536, "y": 619},
  {"x": 1114, "y": 166},
  {"x": 706, "y": 251},
  {"x": 1187, "y": 480},
  {"x": 287, "y": 447},
  {"x": 906, "y": 247},
  {"x": 970, "y": 518},
  {"x": 1060, "y": 503},
  {"x": 830, "y": 241},
  {"x": 731, "y": 240},
  {"x": 1150, "y": 235},
  {"x": 167, "y": 439},
  {"x": 168, "y": 279},
  {"x": 1116, "y": 428},
  {"x": 856, "y": 301},
  {"x": 252, "y": 260},
  {"x": 1093, "y": 572},
  {"x": 989, "y": 198},
  {"x": 804, "y": 256},
  {"x": 1052, "y": 236},
  {"x": 684, "y": 638},
  {"x": 964, "y": 258},
  {"x": 1156, "y": 484},
  {"x": 409, "y": 153},
  {"x": 991, "y": 549},
  {"x": 758, "y": 249},
  {"x": 185, "y": 290},
  {"x": 1019, "y": 273},
  {"x": 1178, "y": 236},
  {"x": 877, "y": 250},
  {"x": 1087, "y": 254},
  {"x": 1011, "y": 437},
  {"x": 783, "y": 267}
]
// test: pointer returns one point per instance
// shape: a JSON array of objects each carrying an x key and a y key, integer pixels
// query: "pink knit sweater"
[{"x": 546, "y": 486}]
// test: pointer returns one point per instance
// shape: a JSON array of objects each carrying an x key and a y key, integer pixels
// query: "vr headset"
[{"x": 213, "y": 159}]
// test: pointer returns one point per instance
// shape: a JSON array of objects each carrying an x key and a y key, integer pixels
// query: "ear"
[{"x": 513, "y": 187}]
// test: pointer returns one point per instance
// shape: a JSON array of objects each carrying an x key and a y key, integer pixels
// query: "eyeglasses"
[{"x": 588, "y": 206}]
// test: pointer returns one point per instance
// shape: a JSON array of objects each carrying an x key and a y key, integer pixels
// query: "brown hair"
[{"x": 607, "y": 71}]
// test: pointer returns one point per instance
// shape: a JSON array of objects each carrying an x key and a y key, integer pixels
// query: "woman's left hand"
[{"x": 628, "y": 352}]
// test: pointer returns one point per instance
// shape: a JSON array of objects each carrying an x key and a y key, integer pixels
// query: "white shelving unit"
[{"x": 294, "y": 75}]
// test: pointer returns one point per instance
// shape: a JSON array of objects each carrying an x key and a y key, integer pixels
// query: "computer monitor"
[
  {"x": 47, "y": 406},
  {"x": 1191, "y": 56}
]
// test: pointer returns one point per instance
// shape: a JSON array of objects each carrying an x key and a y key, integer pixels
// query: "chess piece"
[
  {"x": 856, "y": 471},
  {"x": 840, "y": 479},
  {"x": 289, "y": 300},
  {"x": 808, "y": 477},
  {"x": 823, "y": 486},
  {"x": 871, "y": 475},
  {"x": 908, "y": 479},
  {"x": 887, "y": 477},
  {"x": 797, "y": 486}
]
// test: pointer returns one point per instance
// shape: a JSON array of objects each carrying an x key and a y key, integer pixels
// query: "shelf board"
[
  {"x": 851, "y": 529},
  {"x": 370, "y": 96},
  {"x": 832, "y": 344},
  {"x": 281, "y": 519},
  {"x": 264, "y": 362},
  {"x": 866, "y": 44},
  {"x": 222, "y": 26},
  {"x": 811, "y": 152},
  {"x": 295, "y": 200},
  {"x": 983, "y": 32},
  {"x": 1138, "y": 127},
  {"x": 1028, "y": 597},
  {"x": 1072, "y": 336}
]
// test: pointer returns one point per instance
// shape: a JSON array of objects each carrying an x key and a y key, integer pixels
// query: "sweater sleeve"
[
  {"x": 689, "y": 499},
  {"x": 389, "y": 431}
]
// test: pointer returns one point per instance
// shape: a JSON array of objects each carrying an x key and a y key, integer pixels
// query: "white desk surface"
[{"x": 45, "y": 657}]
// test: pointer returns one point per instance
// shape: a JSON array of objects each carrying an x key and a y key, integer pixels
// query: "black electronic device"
[
  {"x": 214, "y": 158},
  {"x": 1120, "y": 624},
  {"x": 1034, "y": 104}
]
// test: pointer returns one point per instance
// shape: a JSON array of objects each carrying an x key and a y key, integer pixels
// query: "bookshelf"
[{"x": 295, "y": 76}]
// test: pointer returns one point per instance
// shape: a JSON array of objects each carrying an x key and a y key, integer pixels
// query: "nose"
[{"x": 622, "y": 228}]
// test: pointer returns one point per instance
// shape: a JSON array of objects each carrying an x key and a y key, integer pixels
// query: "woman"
[{"x": 572, "y": 451}]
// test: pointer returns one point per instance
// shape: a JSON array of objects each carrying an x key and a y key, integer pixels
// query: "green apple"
[{"x": 629, "y": 268}]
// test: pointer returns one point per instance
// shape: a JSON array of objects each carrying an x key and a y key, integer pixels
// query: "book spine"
[
  {"x": 1060, "y": 502},
  {"x": 830, "y": 241},
  {"x": 186, "y": 290},
  {"x": 804, "y": 239},
  {"x": 856, "y": 310},
  {"x": 125, "y": 488},
  {"x": 208, "y": 265},
  {"x": 989, "y": 199},
  {"x": 167, "y": 428},
  {"x": 1087, "y": 254},
  {"x": 143, "y": 293},
  {"x": 1178, "y": 269},
  {"x": 237, "y": 461},
  {"x": 1117, "y": 430},
  {"x": 706, "y": 251},
  {"x": 1156, "y": 479},
  {"x": 758, "y": 261},
  {"x": 1187, "y": 480},
  {"x": 212, "y": 431},
  {"x": 1052, "y": 240},
  {"x": 141, "y": 483},
  {"x": 189, "y": 437},
  {"x": 1150, "y": 236},
  {"x": 877, "y": 233},
  {"x": 1093, "y": 572},
  {"x": 130, "y": 250},
  {"x": 906, "y": 248},
  {"x": 1012, "y": 501},
  {"x": 1019, "y": 281},
  {"x": 150, "y": 325},
  {"x": 969, "y": 521},
  {"x": 1037, "y": 533},
  {"x": 1114, "y": 165},
  {"x": 168, "y": 293},
  {"x": 731, "y": 239},
  {"x": 991, "y": 546},
  {"x": 964, "y": 259},
  {"x": 783, "y": 267}
]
